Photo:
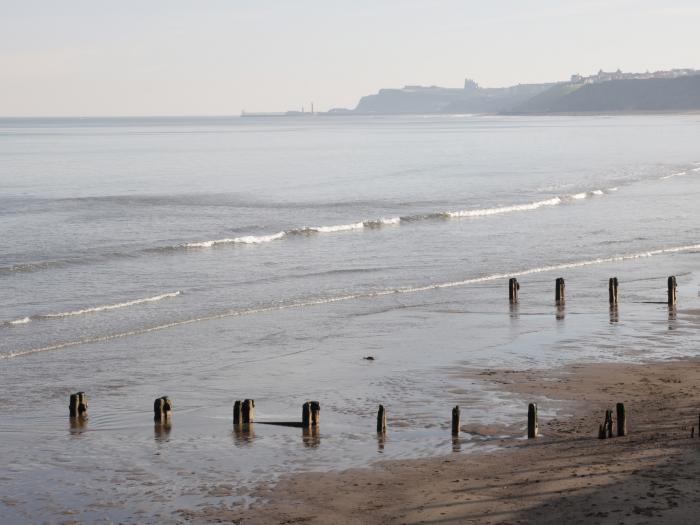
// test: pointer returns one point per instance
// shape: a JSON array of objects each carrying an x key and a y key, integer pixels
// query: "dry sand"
[{"x": 567, "y": 475}]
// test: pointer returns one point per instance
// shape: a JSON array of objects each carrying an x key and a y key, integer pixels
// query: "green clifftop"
[{"x": 617, "y": 96}]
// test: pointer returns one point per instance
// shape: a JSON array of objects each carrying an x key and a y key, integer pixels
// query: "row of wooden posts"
[
  {"x": 559, "y": 286},
  {"x": 244, "y": 414}
]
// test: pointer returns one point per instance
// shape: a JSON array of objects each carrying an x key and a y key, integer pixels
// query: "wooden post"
[
  {"x": 559, "y": 291},
  {"x": 605, "y": 430},
  {"x": 621, "y": 420},
  {"x": 612, "y": 291},
  {"x": 513, "y": 287},
  {"x": 306, "y": 414},
  {"x": 455, "y": 421},
  {"x": 672, "y": 286},
  {"x": 533, "y": 428},
  {"x": 162, "y": 409},
  {"x": 310, "y": 414},
  {"x": 315, "y": 413},
  {"x": 78, "y": 405},
  {"x": 237, "y": 413},
  {"x": 248, "y": 411},
  {"x": 381, "y": 420}
]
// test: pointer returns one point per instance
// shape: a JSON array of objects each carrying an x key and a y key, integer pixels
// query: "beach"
[
  {"x": 565, "y": 475},
  {"x": 354, "y": 262}
]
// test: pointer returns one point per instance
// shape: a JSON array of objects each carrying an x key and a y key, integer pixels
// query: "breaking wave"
[
  {"x": 364, "y": 295},
  {"x": 392, "y": 221},
  {"x": 252, "y": 239},
  {"x": 94, "y": 309},
  {"x": 248, "y": 239},
  {"x": 505, "y": 209}
]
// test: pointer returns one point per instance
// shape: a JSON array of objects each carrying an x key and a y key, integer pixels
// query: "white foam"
[
  {"x": 613, "y": 189},
  {"x": 679, "y": 174},
  {"x": 95, "y": 309},
  {"x": 110, "y": 306},
  {"x": 338, "y": 228},
  {"x": 248, "y": 239},
  {"x": 579, "y": 196},
  {"x": 695, "y": 169},
  {"x": 376, "y": 223},
  {"x": 329, "y": 300},
  {"x": 598, "y": 192},
  {"x": 504, "y": 209}
]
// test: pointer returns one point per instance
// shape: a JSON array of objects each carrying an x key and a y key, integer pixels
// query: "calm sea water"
[{"x": 220, "y": 259}]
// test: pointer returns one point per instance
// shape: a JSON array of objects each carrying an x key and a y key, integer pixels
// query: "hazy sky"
[{"x": 216, "y": 57}]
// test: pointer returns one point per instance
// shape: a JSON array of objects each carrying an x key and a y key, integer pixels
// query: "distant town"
[{"x": 603, "y": 76}]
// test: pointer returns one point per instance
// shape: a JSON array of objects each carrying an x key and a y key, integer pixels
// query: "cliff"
[{"x": 436, "y": 100}]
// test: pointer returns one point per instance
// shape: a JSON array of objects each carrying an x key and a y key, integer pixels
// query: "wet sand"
[{"x": 568, "y": 474}]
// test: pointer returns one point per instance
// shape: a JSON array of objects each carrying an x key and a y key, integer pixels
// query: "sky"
[{"x": 218, "y": 57}]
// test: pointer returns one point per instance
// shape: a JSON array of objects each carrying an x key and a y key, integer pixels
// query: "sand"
[{"x": 567, "y": 475}]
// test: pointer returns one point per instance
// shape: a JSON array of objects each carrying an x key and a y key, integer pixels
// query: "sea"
[{"x": 219, "y": 259}]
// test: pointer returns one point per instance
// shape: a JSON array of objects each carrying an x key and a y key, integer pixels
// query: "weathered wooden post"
[
  {"x": 533, "y": 428},
  {"x": 243, "y": 412},
  {"x": 608, "y": 424},
  {"x": 162, "y": 409},
  {"x": 612, "y": 291},
  {"x": 237, "y": 413},
  {"x": 513, "y": 287},
  {"x": 381, "y": 420},
  {"x": 455, "y": 421},
  {"x": 78, "y": 405},
  {"x": 605, "y": 430},
  {"x": 315, "y": 414},
  {"x": 621, "y": 420},
  {"x": 559, "y": 291},
  {"x": 310, "y": 414},
  {"x": 248, "y": 411},
  {"x": 672, "y": 286}
]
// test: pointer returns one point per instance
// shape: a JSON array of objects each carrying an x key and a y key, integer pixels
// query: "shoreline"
[{"x": 566, "y": 474}]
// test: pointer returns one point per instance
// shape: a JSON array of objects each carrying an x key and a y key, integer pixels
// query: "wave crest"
[
  {"x": 94, "y": 309},
  {"x": 246, "y": 239}
]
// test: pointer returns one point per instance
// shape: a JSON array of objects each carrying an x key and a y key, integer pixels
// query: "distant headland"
[{"x": 672, "y": 91}]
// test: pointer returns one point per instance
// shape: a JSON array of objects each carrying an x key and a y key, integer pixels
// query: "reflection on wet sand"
[
  {"x": 672, "y": 318},
  {"x": 311, "y": 436},
  {"x": 560, "y": 312},
  {"x": 161, "y": 431},
  {"x": 381, "y": 439},
  {"x": 614, "y": 314},
  {"x": 78, "y": 425},
  {"x": 243, "y": 435},
  {"x": 456, "y": 444},
  {"x": 514, "y": 311}
]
